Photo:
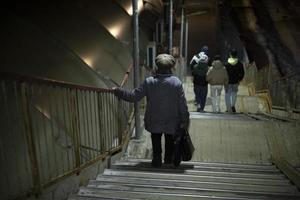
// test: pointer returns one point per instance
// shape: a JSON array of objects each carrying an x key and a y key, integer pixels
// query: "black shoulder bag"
[{"x": 184, "y": 147}]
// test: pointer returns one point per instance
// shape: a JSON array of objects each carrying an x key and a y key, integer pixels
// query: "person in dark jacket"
[
  {"x": 166, "y": 108},
  {"x": 199, "y": 67},
  {"x": 236, "y": 73}
]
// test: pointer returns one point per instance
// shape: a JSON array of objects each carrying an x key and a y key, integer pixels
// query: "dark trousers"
[
  {"x": 201, "y": 94},
  {"x": 156, "y": 147}
]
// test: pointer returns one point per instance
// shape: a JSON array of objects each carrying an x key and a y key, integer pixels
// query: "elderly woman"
[{"x": 166, "y": 108}]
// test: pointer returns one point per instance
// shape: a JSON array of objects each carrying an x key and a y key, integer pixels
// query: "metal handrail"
[
  {"x": 284, "y": 90},
  {"x": 289, "y": 84},
  {"x": 284, "y": 109},
  {"x": 54, "y": 129},
  {"x": 278, "y": 158},
  {"x": 286, "y": 77},
  {"x": 276, "y": 149},
  {"x": 126, "y": 76}
]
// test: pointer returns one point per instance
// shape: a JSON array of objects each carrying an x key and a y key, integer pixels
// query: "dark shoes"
[
  {"x": 176, "y": 163},
  {"x": 168, "y": 161},
  {"x": 200, "y": 110},
  {"x": 233, "y": 109},
  {"x": 156, "y": 162}
]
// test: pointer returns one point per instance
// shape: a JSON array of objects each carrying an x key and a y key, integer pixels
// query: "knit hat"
[{"x": 165, "y": 61}]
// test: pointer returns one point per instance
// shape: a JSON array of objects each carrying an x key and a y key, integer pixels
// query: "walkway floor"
[{"x": 245, "y": 102}]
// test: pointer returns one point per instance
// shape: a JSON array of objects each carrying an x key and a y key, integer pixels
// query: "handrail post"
[
  {"x": 181, "y": 54},
  {"x": 75, "y": 123},
  {"x": 136, "y": 64},
  {"x": 30, "y": 139},
  {"x": 170, "y": 26},
  {"x": 119, "y": 121},
  {"x": 186, "y": 36},
  {"x": 181, "y": 32}
]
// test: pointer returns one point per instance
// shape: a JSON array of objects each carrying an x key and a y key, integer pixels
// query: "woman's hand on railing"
[{"x": 115, "y": 91}]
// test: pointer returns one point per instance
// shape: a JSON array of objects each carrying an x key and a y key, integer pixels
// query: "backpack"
[
  {"x": 200, "y": 69},
  {"x": 201, "y": 66}
]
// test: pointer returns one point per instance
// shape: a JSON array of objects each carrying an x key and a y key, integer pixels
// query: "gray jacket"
[
  {"x": 166, "y": 107},
  {"x": 217, "y": 74}
]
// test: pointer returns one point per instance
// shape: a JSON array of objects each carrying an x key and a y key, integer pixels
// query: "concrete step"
[
  {"x": 268, "y": 166},
  {"x": 221, "y": 116},
  {"x": 94, "y": 194},
  {"x": 77, "y": 197},
  {"x": 201, "y": 171},
  {"x": 192, "y": 184},
  {"x": 210, "y": 177},
  {"x": 137, "y": 179},
  {"x": 191, "y": 167},
  {"x": 158, "y": 193}
]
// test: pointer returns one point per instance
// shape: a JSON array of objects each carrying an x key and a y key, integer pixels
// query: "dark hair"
[
  {"x": 233, "y": 53},
  {"x": 204, "y": 49},
  {"x": 217, "y": 57}
]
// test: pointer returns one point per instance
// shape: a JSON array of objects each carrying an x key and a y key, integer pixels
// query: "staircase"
[
  {"x": 136, "y": 179},
  {"x": 220, "y": 139}
]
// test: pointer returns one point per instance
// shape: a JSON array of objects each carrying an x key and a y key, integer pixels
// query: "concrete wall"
[
  {"x": 84, "y": 42},
  {"x": 244, "y": 140}
]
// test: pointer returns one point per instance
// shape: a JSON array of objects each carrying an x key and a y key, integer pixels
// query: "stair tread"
[
  {"x": 145, "y": 193},
  {"x": 77, "y": 197},
  {"x": 170, "y": 172},
  {"x": 190, "y": 169},
  {"x": 182, "y": 176},
  {"x": 137, "y": 179},
  {"x": 212, "y": 164},
  {"x": 193, "y": 184}
]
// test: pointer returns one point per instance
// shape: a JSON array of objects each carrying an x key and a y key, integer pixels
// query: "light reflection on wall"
[
  {"x": 43, "y": 111},
  {"x": 129, "y": 8},
  {"x": 89, "y": 61},
  {"x": 115, "y": 30}
]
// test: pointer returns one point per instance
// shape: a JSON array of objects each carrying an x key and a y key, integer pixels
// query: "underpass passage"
[{"x": 54, "y": 133}]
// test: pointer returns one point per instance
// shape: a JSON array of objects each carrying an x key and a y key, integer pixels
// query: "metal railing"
[
  {"x": 52, "y": 129},
  {"x": 281, "y": 93},
  {"x": 180, "y": 68},
  {"x": 284, "y": 92}
]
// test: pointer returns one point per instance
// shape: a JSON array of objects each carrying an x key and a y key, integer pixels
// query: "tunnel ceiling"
[
  {"x": 196, "y": 7},
  {"x": 276, "y": 19},
  {"x": 201, "y": 17}
]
